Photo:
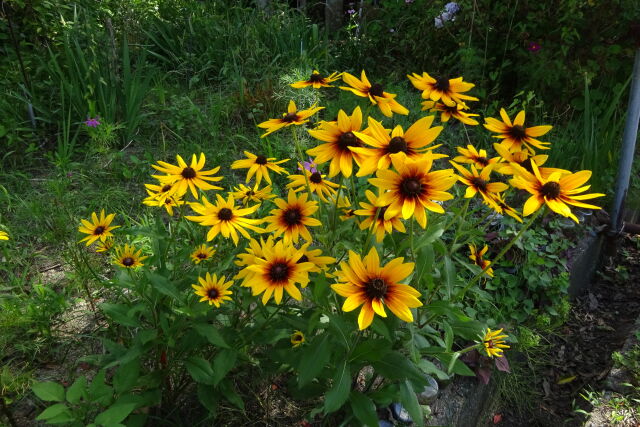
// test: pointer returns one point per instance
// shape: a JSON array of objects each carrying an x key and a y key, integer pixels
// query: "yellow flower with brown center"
[
  {"x": 413, "y": 143},
  {"x": 494, "y": 343},
  {"x": 345, "y": 208},
  {"x": 187, "y": 177},
  {"x": 98, "y": 228},
  {"x": 515, "y": 136},
  {"x": 159, "y": 192},
  {"x": 4, "y": 235},
  {"x": 338, "y": 137},
  {"x": 374, "y": 212},
  {"x": 413, "y": 188},
  {"x": 259, "y": 166},
  {"x": 375, "y": 92},
  {"x": 558, "y": 191},
  {"x": 497, "y": 203},
  {"x": 215, "y": 291},
  {"x": 292, "y": 217},
  {"x": 449, "y": 91},
  {"x": 279, "y": 271},
  {"x": 478, "y": 158},
  {"x": 224, "y": 218},
  {"x": 202, "y": 253},
  {"x": 246, "y": 194},
  {"x": 524, "y": 159},
  {"x": 167, "y": 202},
  {"x": 317, "y": 184},
  {"x": 291, "y": 117},
  {"x": 479, "y": 182},
  {"x": 253, "y": 251},
  {"x": 477, "y": 258},
  {"x": 365, "y": 282},
  {"x": 456, "y": 111},
  {"x": 126, "y": 256},
  {"x": 314, "y": 256},
  {"x": 105, "y": 246},
  {"x": 317, "y": 80},
  {"x": 297, "y": 338}
]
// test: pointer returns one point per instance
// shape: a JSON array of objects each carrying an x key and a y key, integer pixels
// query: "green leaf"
[
  {"x": 339, "y": 392},
  {"x": 53, "y": 411},
  {"x": 448, "y": 335},
  {"x": 449, "y": 275},
  {"x": 371, "y": 350},
  {"x": 200, "y": 370},
  {"x": 228, "y": 391},
  {"x": 77, "y": 390},
  {"x": 208, "y": 397},
  {"x": 98, "y": 391},
  {"x": 315, "y": 357},
  {"x": 396, "y": 366},
  {"x": 455, "y": 365},
  {"x": 409, "y": 400},
  {"x": 467, "y": 329},
  {"x": 223, "y": 363},
  {"x": 341, "y": 330},
  {"x": 49, "y": 391},
  {"x": 211, "y": 334},
  {"x": 126, "y": 376},
  {"x": 163, "y": 285},
  {"x": 116, "y": 413},
  {"x": 364, "y": 409},
  {"x": 119, "y": 314}
]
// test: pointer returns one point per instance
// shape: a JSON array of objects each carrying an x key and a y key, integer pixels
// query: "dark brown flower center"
[
  {"x": 166, "y": 188},
  {"x": 225, "y": 214},
  {"x": 213, "y": 293},
  {"x": 479, "y": 183},
  {"x": 376, "y": 89},
  {"x": 250, "y": 193},
  {"x": 297, "y": 338},
  {"x": 482, "y": 160},
  {"x": 348, "y": 139},
  {"x": 202, "y": 255},
  {"x": 518, "y": 132},
  {"x": 279, "y": 272},
  {"x": 261, "y": 160},
  {"x": 292, "y": 216},
  {"x": 397, "y": 144},
  {"x": 316, "y": 178},
  {"x": 527, "y": 165},
  {"x": 98, "y": 230},
  {"x": 303, "y": 258},
  {"x": 551, "y": 190},
  {"x": 381, "y": 212},
  {"x": 411, "y": 187},
  {"x": 442, "y": 84},
  {"x": 376, "y": 288},
  {"x": 316, "y": 78},
  {"x": 290, "y": 117},
  {"x": 128, "y": 261},
  {"x": 188, "y": 173}
]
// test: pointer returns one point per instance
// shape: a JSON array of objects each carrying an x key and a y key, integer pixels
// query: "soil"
[{"x": 579, "y": 358}]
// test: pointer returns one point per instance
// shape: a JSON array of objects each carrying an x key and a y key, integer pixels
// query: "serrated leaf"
[
  {"x": 77, "y": 390},
  {"x": 364, "y": 409},
  {"x": 116, "y": 413},
  {"x": 211, "y": 334},
  {"x": 314, "y": 358},
  {"x": 49, "y": 391},
  {"x": 339, "y": 392}
]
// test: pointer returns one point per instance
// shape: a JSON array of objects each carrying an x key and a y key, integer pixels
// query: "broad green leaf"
[
  {"x": 49, "y": 391},
  {"x": 119, "y": 313},
  {"x": 115, "y": 413},
  {"x": 448, "y": 336},
  {"x": 457, "y": 367},
  {"x": 223, "y": 363},
  {"x": 315, "y": 357},
  {"x": 409, "y": 400},
  {"x": 208, "y": 397},
  {"x": 468, "y": 329},
  {"x": 98, "y": 391},
  {"x": 396, "y": 366},
  {"x": 228, "y": 391},
  {"x": 364, "y": 409},
  {"x": 53, "y": 411},
  {"x": 77, "y": 390},
  {"x": 126, "y": 376},
  {"x": 339, "y": 392},
  {"x": 200, "y": 370},
  {"x": 370, "y": 350},
  {"x": 211, "y": 334}
]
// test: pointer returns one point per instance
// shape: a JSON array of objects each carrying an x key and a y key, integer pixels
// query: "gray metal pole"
[{"x": 628, "y": 148}]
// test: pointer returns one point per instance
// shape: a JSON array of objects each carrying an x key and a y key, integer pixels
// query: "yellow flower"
[
  {"x": 314, "y": 256},
  {"x": 515, "y": 135},
  {"x": 450, "y": 91},
  {"x": 202, "y": 253},
  {"x": 317, "y": 80},
  {"x": 297, "y": 338},
  {"x": 477, "y": 158},
  {"x": 413, "y": 188},
  {"x": 524, "y": 160},
  {"x": 374, "y": 212},
  {"x": 291, "y": 117},
  {"x": 478, "y": 182},
  {"x": 413, "y": 143},
  {"x": 259, "y": 165},
  {"x": 246, "y": 194},
  {"x": 279, "y": 271},
  {"x": 168, "y": 202},
  {"x": 190, "y": 177},
  {"x": 98, "y": 228},
  {"x": 159, "y": 192},
  {"x": 494, "y": 343},
  {"x": 558, "y": 191},
  {"x": 345, "y": 207},
  {"x": 375, "y": 92},
  {"x": 316, "y": 181},
  {"x": 338, "y": 137},
  {"x": 4, "y": 235},
  {"x": 252, "y": 252},
  {"x": 292, "y": 217},
  {"x": 105, "y": 246},
  {"x": 477, "y": 259},
  {"x": 127, "y": 257},
  {"x": 365, "y": 282},
  {"x": 214, "y": 291},
  {"x": 456, "y": 111},
  {"x": 497, "y": 203},
  {"x": 224, "y": 218}
]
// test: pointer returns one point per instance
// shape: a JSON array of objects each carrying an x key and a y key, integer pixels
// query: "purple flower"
[
  {"x": 408, "y": 1},
  {"x": 351, "y": 11},
  {"x": 438, "y": 22},
  {"x": 452, "y": 7},
  {"x": 92, "y": 123},
  {"x": 310, "y": 166},
  {"x": 534, "y": 47}
]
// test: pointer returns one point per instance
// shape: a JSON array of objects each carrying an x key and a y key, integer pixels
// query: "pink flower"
[
  {"x": 534, "y": 47},
  {"x": 92, "y": 123}
]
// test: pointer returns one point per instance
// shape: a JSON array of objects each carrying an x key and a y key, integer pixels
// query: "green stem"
[{"x": 461, "y": 215}]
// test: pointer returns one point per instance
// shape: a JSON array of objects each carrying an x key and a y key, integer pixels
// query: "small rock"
[
  {"x": 400, "y": 414},
  {"x": 430, "y": 392}
]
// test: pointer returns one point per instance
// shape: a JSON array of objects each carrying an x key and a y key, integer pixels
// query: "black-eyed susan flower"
[
  {"x": 413, "y": 188},
  {"x": 413, "y": 143},
  {"x": 126, "y": 256},
  {"x": 479, "y": 182},
  {"x": 450, "y": 91},
  {"x": 457, "y": 111},
  {"x": 497, "y": 203},
  {"x": 291, "y": 117},
  {"x": 478, "y": 158},
  {"x": 365, "y": 282},
  {"x": 477, "y": 258},
  {"x": 317, "y": 184},
  {"x": 375, "y": 92},
  {"x": 98, "y": 228},
  {"x": 523, "y": 159},
  {"x": 344, "y": 205},
  {"x": 202, "y": 253},
  {"x": 558, "y": 191},
  {"x": 168, "y": 203},
  {"x": 159, "y": 192},
  {"x": 4, "y": 235},
  {"x": 338, "y": 137},
  {"x": 374, "y": 212},
  {"x": 224, "y": 218},
  {"x": 515, "y": 136},
  {"x": 279, "y": 271},
  {"x": 105, "y": 246},
  {"x": 315, "y": 257},
  {"x": 494, "y": 343},
  {"x": 292, "y": 217},
  {"x": 259, "y": 166},
  {"x": 317, "y": 80},
  {"x": 248, "y": 195},
  {"x": 213, "y": 290},
  {"x": 187, "y": 177},
  {"x": 297, "y": 338},
  {"x": 253, "y": 251}
]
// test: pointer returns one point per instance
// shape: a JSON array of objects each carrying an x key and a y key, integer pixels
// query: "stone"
[{"x": 430, "y": 392}]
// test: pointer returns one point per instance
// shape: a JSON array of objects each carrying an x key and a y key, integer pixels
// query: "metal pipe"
[{"x": 628, "y": 148}]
